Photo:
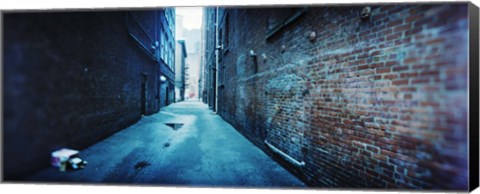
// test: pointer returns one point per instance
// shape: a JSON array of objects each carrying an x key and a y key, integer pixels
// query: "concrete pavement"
[{"x": 205, "y": 151}]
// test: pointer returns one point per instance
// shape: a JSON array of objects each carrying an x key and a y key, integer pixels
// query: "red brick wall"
[{"x": 380, "y": 102}]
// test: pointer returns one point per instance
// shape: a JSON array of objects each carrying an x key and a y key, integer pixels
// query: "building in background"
[
  {"x": 202, "y": 92},
  {"x": 180, "y": 73},
  {"x": 193, "y": 37},
  {"x": 347, "y": 96},
  {"x": 191, "y": 25},
  {"x": 74, "y": 78}
]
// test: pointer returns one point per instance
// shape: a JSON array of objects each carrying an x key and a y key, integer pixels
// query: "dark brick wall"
[
  {"x": 377, "y": 103},
  {"x": 209, "y": 57},
  {"x": 70, "y": 79}
]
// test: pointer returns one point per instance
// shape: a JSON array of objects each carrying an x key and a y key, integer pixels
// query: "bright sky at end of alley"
[{"x": 192, "y": 16}]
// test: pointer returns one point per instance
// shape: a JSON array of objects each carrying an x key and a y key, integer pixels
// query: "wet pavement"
[{"x": 195, "y": 148}]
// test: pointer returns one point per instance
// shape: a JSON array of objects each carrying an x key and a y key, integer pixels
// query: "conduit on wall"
[{"x": 284, "y": 155}]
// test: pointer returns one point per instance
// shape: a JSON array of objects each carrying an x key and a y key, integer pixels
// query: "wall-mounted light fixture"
[
  {"x": 155, "y": 45},
  {"x": 264, "y": 56},
  {"x": 252, "y": 53},
  {"x": 163, "y": 79},
  {"x": 312, "y": 35},
  {"x": 366, "y": 12}
]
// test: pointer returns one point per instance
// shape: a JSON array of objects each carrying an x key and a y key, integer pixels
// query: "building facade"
[
  {"x": 180, "y": 73},
  {"x": 209, "y": 58},
  {"x": 180, "y": 61},
  {"x": 167, "y": 56},
  {"x": 347, "y": 96},
  {"x": 193, "y": 48},
  {"x": 74, "y": 78}
]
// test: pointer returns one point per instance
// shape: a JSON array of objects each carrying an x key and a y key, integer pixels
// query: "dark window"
[
  {"x": 220, "y": 44},
  {"x": 227, "y": 31},
  {"x": 220, "y": 37},
  {"x": 162, "y": 36},
  {"x": 280, "y": 18},
  {"x": 139, "y": 33}
]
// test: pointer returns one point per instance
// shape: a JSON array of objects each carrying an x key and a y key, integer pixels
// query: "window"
[
  {"x": 139, "y": 33},
  {"x": 163, "y": 45},
  {"x": 168, "y": 57},
  {"x": 172, "y": 57},
  {"x": 220, "y": 44},
  {"x": 280, "y": 18},
  {"x": 227, "y": 32},
  {"x": 162, "y": 42},
  {"x": 220, "y": 37}
]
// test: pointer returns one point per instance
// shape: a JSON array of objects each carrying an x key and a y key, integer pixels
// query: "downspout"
[
  {"x": 284, "y": 155},
  {"x": 216, "y": 59}
]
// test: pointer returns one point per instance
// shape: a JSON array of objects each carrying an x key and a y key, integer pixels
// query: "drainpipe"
[
  {"x": 284, "y": 155},
  {"x": 216, "y": 59}
]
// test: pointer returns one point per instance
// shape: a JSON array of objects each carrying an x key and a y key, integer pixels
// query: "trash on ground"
[
  {"x": 67, "y": 159},
  {"x": 62, "y": 156},
  {"x": 76, "y": 163}
]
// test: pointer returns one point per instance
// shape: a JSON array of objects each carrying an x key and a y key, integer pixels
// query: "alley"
[
  {"x": 357, "y": 96},
  {"x": 204, "y": 151}
]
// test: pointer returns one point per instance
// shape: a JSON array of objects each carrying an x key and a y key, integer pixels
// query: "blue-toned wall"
[{"x": 70, "y": 80}]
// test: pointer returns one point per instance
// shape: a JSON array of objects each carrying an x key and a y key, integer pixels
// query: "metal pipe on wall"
[
  {"x": 284, "y": 155},
  {"x": 216, "y": 59}
]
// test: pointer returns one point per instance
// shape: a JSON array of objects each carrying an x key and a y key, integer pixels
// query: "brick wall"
[
  {"x": 209, "y": 57},
  {"x": 70, "y": 79},
  {"x": 377, "y": 103}
]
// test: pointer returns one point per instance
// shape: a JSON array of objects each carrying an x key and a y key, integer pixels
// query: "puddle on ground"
[
  {"x": 174, "y": 126},
  {"x": 166, "y": 145},
  {"x": 140, "y": 165}
]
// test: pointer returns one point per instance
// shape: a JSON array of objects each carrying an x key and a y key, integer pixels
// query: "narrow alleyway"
[{"x": 204, "y": 151}]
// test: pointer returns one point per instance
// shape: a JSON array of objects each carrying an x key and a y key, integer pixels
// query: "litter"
[
  {"x": 67, "y": 159},
  {"x": 76, "y": 163},
  {"x": 61, "y": 156}
]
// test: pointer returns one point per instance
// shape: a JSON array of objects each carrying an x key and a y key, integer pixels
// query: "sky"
[{"x": 192, "y": 16}]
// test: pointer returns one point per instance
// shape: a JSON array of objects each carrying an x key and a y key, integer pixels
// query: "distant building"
[
  {"x": 201, "y": 73},
  {"x": 180, "y": 59},
  {"x": 74, "y": 78},
  {"x": 180, "y": 73},
  {"x": 193, "y": 47}
]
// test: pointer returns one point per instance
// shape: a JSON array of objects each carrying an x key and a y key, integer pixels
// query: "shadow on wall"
[{"x": 62, "y": 89}]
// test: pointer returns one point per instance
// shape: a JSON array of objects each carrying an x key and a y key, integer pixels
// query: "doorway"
[{"x": 143, "y": 99}]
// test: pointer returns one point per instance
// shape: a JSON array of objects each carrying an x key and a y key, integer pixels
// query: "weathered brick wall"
[
  {"x": 380, "y": 102},
  {"x": 209, "y": 55},
  {"x": 70, "y": 79}
]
